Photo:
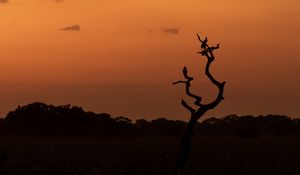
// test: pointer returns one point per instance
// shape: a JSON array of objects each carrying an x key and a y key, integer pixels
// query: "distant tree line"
[{"x": 39, "y": 119}]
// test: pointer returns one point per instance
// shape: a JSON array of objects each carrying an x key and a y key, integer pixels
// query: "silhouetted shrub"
[
  {"x": 162, "y": 126},
  {"x": 39, "y": 119},
  {"x": 249, "y": 132}
]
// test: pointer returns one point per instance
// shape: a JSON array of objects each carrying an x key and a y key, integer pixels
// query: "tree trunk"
[{"x": 185, "y": 149}]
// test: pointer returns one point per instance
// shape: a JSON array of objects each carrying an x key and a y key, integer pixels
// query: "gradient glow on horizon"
[{"x": 123, "y": 60}]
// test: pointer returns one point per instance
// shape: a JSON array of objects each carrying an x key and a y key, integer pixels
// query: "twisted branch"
[
  {"x": 187, "y": 83},
  {"x": 206, "y": 51}
]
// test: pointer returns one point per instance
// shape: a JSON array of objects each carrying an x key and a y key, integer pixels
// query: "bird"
[{"x": 204, "y": 43}]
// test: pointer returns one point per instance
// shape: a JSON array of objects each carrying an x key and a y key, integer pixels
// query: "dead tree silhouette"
[{"x": 186, "y": 139}]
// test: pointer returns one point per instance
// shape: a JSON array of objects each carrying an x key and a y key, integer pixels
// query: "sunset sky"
[{"x": 121, "y": 57}]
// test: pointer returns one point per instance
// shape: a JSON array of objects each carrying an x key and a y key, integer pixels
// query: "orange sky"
[{"x": 123, "y": 61}]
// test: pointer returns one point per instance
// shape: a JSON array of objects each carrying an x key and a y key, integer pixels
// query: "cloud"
[
  {"x": 71, "y": 28},
  {"x": 3, "y": 1},
  {"x": 58, "y": 0},
  {"x": 171, "y": 30}
]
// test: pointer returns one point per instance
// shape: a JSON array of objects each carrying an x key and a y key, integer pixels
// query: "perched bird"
[
  {"x": 204, "y": 43},
  {"x": 184, "y": 71}
]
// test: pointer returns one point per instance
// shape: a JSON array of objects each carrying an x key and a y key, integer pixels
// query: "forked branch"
[
  {"x": 187, "y": 83},
  {"x": 206, "y": 51}
]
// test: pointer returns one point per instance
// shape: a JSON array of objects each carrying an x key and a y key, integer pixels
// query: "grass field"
[{"x": 148, "y": 156}]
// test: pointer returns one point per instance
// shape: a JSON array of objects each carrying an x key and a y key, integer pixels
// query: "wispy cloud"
[
  {"x": 71, "y": 28},
  {"x": 58, "y": 0},
  {"x": 171, "y": 30},
  {"x": 3, "y": 1}
]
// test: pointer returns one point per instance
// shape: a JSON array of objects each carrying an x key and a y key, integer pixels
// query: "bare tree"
[{"x": 186, "y": 139}]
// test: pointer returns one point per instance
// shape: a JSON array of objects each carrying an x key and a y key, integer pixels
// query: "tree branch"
[
  {"x": 188, "y": 85},
  {"x": 184, "y": 104},
  {"x": 207, "y": 51}
]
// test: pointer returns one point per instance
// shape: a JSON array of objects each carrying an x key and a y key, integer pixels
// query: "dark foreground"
[{"x": 148, "y": 156}]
